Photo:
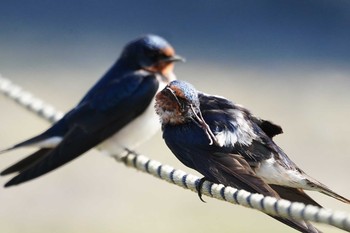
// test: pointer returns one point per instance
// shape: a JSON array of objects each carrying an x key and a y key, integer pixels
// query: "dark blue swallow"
[
  {"x": 116, "y": 114},
  {"x": 228, "y": 145}
]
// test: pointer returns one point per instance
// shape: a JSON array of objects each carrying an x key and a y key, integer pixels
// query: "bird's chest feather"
[
  {"x": 133, "y": 134},
  {"x": 188, "y": 142}
]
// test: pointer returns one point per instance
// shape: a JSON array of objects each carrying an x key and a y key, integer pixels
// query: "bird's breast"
[{"x": 133, "y": 134}]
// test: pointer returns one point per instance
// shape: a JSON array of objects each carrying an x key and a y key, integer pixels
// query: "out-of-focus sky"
[{"x": 287, "y": 61}]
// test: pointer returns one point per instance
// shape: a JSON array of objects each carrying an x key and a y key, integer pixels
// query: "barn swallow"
[
  {"x": 115, "y": 115},
  {"x": 227, "y": 144}
]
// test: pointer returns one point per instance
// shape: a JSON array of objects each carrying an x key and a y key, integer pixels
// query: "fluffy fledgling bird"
[
  {"x": 228, "y": 145},
  {"x": 116, "y": 114}
]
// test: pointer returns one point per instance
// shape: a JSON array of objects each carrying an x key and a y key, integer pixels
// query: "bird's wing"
[
  {"x": 209, "y": 102},
  {"x": 93, "y": 121},
  {"x": 294, "y": 195},
  {"x": 192, "y": 148},
  {"x": 245, "y": 140},
  {"x": 268, "y": 127},
  {"x": 233, "y": 170}
]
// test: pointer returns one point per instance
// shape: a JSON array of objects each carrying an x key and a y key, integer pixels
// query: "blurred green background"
[{"x": 287, "y": 61}]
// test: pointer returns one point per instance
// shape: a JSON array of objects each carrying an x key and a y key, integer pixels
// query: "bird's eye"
[
  {"x": 153, "y": 55},
  {"x": 157, "y": 55}
]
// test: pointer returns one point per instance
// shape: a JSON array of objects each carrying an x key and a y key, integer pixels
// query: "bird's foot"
[
  {"x": 130, "y": 152},
  {"x": 199, "y": 186},
  {"x": 123, "y": 156}
]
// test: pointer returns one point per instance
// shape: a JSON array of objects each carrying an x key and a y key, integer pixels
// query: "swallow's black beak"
[{"x": 174, "y": 58}]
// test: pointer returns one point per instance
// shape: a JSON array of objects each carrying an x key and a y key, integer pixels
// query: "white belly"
[{"x": 133, "y": 134}]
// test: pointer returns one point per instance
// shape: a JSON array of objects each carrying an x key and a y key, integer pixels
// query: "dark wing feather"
[
  {"x": 233, "y": 170},
  {"x": 66, "y": 151},
  {"x": 225, "y": 165},
  {"x": 192, "y": 148},
  {"x": 294, "y": 195},
  {"x": 26, "y": 162},
  {"x": 268, "y": 127},
  {"x": 219, "y": 103},
  {"x": 93, "y": 121},
  {"x": 60, "y": 128}
]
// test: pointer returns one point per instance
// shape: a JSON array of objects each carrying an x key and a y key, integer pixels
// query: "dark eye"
[
  {"x": 156, "y": 55},
  {"x": 152, "y": 54}
]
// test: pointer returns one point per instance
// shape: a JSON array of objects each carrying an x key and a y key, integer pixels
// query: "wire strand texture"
[{"x": 269, "y": 205}]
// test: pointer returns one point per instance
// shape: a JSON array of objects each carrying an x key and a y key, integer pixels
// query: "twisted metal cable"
[{"x": 269, "y": 205}]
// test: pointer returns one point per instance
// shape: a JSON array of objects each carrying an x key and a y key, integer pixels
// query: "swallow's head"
[
  {"x": 152, "y": 53},
  {"x": 178, "y": 103}
]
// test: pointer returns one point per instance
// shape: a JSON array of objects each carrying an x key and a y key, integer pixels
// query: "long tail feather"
[
  {"x": 318, "y": 186},
  {"x": 294, "y": 195},
  {"x": 26, "y": 162},
  {"x": 301, "y": 226}
]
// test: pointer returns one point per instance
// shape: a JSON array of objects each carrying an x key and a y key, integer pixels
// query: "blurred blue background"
[
  {"x": 228, "y": 32},
  {"x": 287, "y": 61}
]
